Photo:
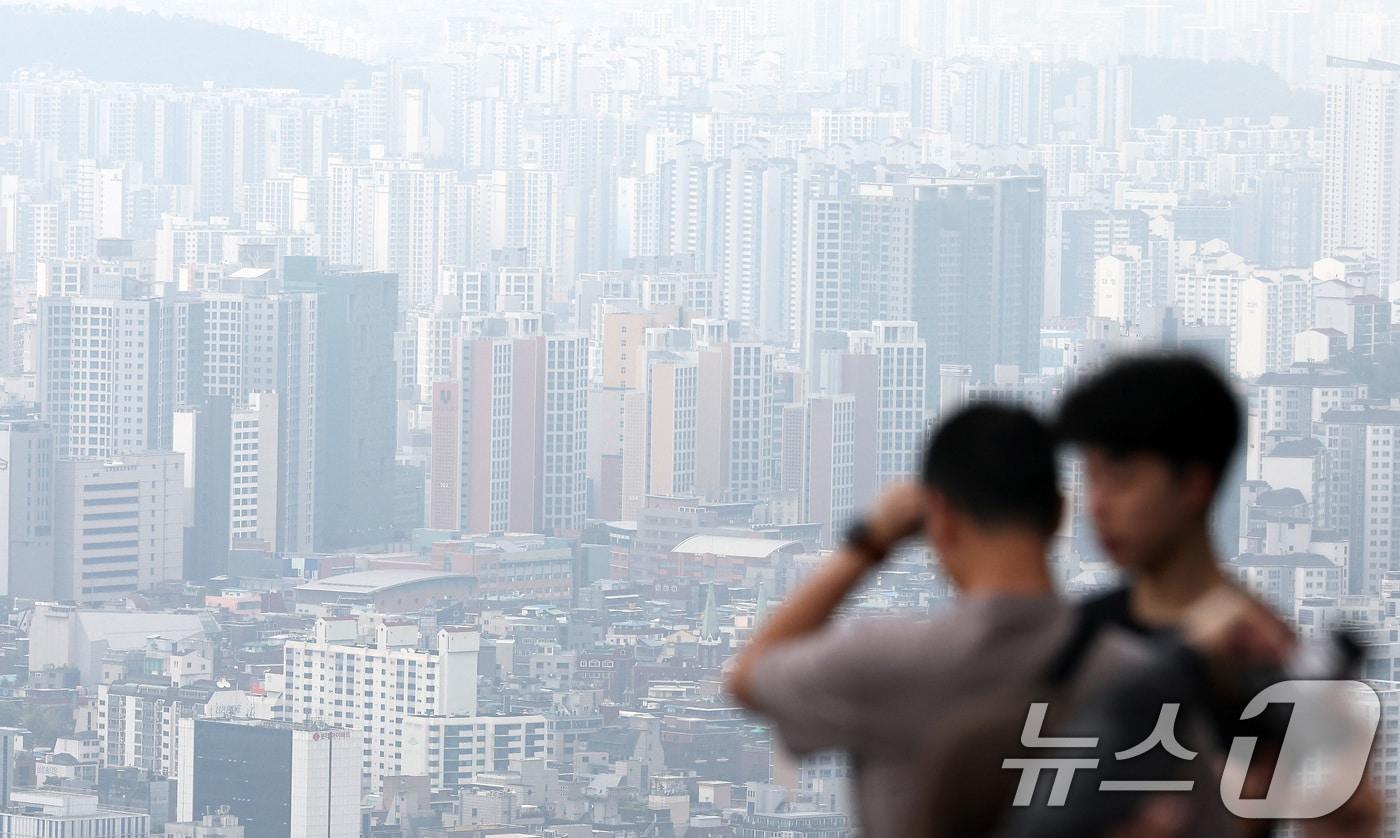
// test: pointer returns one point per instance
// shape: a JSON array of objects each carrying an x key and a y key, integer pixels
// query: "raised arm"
[{"x": 897, "y": 515}]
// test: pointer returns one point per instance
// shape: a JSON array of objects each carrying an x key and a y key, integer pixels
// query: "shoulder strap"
[{"x": 1067, "y": 659}]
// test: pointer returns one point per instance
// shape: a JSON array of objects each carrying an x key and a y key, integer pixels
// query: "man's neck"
[
  {"x": 1161, "y": 595},
  {"x": 1006, "y": 564}
]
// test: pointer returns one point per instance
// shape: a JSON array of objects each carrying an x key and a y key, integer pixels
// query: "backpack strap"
[{"x": 1067, "y": 659}]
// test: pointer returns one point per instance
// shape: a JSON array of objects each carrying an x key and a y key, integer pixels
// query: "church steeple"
[{"x": 709, "y": 622}]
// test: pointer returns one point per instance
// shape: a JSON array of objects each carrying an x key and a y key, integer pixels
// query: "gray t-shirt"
[{"x": 882, "y": 688}]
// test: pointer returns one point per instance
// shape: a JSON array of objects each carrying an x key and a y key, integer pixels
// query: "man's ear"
[
  {"x": 1198, "y": 485},
  {"x": 942, "y": 525}
]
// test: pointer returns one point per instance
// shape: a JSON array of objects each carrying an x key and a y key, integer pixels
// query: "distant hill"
[
  {"x": 1218, "y": 89},
  {"x": 1209, "y": 91},
  {"x": 118, "y": 45}
]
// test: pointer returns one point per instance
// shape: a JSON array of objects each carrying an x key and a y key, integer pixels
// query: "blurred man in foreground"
[
  {"x": 1157, "y": 435},
  {"x": 896, "y": 693}
]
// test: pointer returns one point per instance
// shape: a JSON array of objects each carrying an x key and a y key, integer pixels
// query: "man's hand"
[
  {"x": 1234, "y": 631},
  {"x": 898, "y": 513}
]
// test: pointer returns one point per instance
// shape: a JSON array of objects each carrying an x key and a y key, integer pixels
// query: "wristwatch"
[{"x": 861, "y": 538}]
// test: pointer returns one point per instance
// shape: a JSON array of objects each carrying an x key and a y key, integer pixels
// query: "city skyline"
[{"x": 438, "y": 399}]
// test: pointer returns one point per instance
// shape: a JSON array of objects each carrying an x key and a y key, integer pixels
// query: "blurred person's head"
[
  {"x": 989, "y": 472},
  {"x": 1157, "y": 434}
]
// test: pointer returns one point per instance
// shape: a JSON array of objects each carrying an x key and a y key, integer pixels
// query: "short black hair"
[
  {"x": 997, "y": 463},
  {"x": 1170, "y": 405}
]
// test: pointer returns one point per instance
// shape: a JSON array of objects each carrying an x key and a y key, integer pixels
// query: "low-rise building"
[{"x": 41, "y": 813}]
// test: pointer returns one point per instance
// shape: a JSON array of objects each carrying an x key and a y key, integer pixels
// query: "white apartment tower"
[
  {"x": 826, "y": 456},
  {"x": 564, "y": 434},
  {"x": 900, "y": 419},
  {"x": 371, "y": 688},
  {"x": 419, "y": 225},
  {"x": 1361, "y": 163},
  {"x": 521, "y": 209},
  {"x": 437, "y": 342},
  {"x": 239, "y": 343},
  {"x": 750, "y": 246},
  {"x": 1274, "y": 306},
  {"x": 100, "y": 376},
  {"x": 1363, "y": 490},
  {"x": 253, "y": 472},
  {"x": 858, "y": 261}
]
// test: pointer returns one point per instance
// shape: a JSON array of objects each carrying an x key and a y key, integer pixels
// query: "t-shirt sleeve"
[{"x": 827, "y": 690}]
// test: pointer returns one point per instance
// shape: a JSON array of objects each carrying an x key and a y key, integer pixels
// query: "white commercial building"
[
  {"x": 118, "y": 525},
  {"x": 65, "y": 636},
  {"x": 277, "y": 779}
]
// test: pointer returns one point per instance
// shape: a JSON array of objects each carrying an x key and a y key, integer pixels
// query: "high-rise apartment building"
[
  {"x": 41, "y": 233},
  {"x": 1361, "y": 162},
  {"x": 979, "y": 253},
  {"x": 103, "y": 375},
  {"x": 371, "y": 688},
  {"x": 138, "y": 725},
  {"x": 902, "y": 362},
  {"x": 522, "y": 208},
  {"x": 253, "y": 470},
  {"x": 342, "y": 440},
  {"x": 821, "y": 447},
  {"x": 734, "y": 416},
  {"x": 859, "y": 260},
  {"x": 1363, "y": 490},
  {"x": 520, "y": 447},
  {"x": 26, "y": 507},
  {"x": 884, "y": 368},
  {"x": 672, "y": 410},
  {"x": 1273, "y": 307},
  {"x": 419, "y": 224},
  {"x": 1086, "y": 236},
  {"x": 203, "y": 436},
  {"x": 751, "y": 246}
]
